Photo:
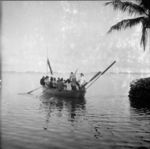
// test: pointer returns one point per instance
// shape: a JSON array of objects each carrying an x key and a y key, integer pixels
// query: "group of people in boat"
[{"x": 72, "y": 83}]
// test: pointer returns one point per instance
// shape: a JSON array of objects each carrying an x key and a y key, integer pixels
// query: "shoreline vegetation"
[
  {"x": 139, "y": 89},
  {"x": 139, "y": 94}
]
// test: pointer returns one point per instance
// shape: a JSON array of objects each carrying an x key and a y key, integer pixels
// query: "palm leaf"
[
  {"x": 129, "y": 7},
  {"x": 126, "y": 23},
  {"x": 145, "y": 4},
  {"x": 144, "y": 35}
]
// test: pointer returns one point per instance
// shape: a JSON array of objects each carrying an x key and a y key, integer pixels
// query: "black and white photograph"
[{"x": 75, "y": 74}]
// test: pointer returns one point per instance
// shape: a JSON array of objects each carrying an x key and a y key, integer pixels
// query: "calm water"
[{"x": 103, "y": 120}]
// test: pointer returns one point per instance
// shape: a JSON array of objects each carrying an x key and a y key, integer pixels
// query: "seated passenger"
[
  {"x": 46, "y": 81},
  {"x": 68, "y": 84},
  {"x": 54, "y": 83},
  {"x": 60, "y": 84},
  {"x": 42, "y": 81},
  {"x": 51, "y": 82},
  {"x": 65, "y": 86},
  {"x": 57, "y": 82}
]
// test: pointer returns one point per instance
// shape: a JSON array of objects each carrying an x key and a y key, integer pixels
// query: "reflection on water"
[
  {"x": 105, "y": 119},
  {"x": 74, "y": 107}
]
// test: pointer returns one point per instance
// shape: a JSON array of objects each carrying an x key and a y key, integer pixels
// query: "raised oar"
[
  {"x": 92, "y": 78},
  {"x": 101, "y": 74}
]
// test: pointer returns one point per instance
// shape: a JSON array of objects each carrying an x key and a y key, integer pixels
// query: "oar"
[
  {"x": 92, "y": 78},
  {"x": 29, "y": 92},
  {"x": 33, "y": 90},
  {"x": 100, "y": 74}
]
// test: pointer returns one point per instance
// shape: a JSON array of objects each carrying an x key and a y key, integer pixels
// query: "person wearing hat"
[{"x": 81, "y": 80}]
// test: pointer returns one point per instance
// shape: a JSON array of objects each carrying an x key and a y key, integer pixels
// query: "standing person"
[
  {"x": 71, "y": 76},
  {"x": 73, "y": 81},
  {"x": 81, "y": 80}
]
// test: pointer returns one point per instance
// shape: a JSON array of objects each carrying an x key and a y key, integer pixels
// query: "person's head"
[
  {"x": 81, "y": 74},
  {"x": 71, "y": 72},
  {"x": 46, "y": 77},
  {"x": 68, "y": 80}
]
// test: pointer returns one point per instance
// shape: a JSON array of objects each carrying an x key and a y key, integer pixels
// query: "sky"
[{"x": 73, "y": 34}]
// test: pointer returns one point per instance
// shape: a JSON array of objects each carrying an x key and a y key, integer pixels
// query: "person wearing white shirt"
[
  {"x": 68, "y": 85},
  {"x": 81, "y": 80}
]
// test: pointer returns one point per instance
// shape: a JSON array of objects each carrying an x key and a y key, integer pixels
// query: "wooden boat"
[
  {"x": 71, "y": 93},
  {"x": 64, "y": 93}
]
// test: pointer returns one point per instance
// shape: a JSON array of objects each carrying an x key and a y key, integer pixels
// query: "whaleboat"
[
  {"x": 64, "y": 93},
  {"x": 72, "y": 93}
]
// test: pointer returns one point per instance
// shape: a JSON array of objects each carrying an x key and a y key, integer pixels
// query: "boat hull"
[{"x": 64, "y": 93}]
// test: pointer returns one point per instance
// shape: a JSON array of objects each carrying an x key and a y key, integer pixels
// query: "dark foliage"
[
  {"x": 139, "y": 93},
  {"x": 136, "y": 7}
]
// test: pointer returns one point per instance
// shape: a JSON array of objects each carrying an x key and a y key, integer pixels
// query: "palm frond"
[
  {"x": 126, "y": 23},
  {"x": 145, "y": 4},
  {"x": 144, "y": 34},
  {"x": 130, "y": 7}
]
